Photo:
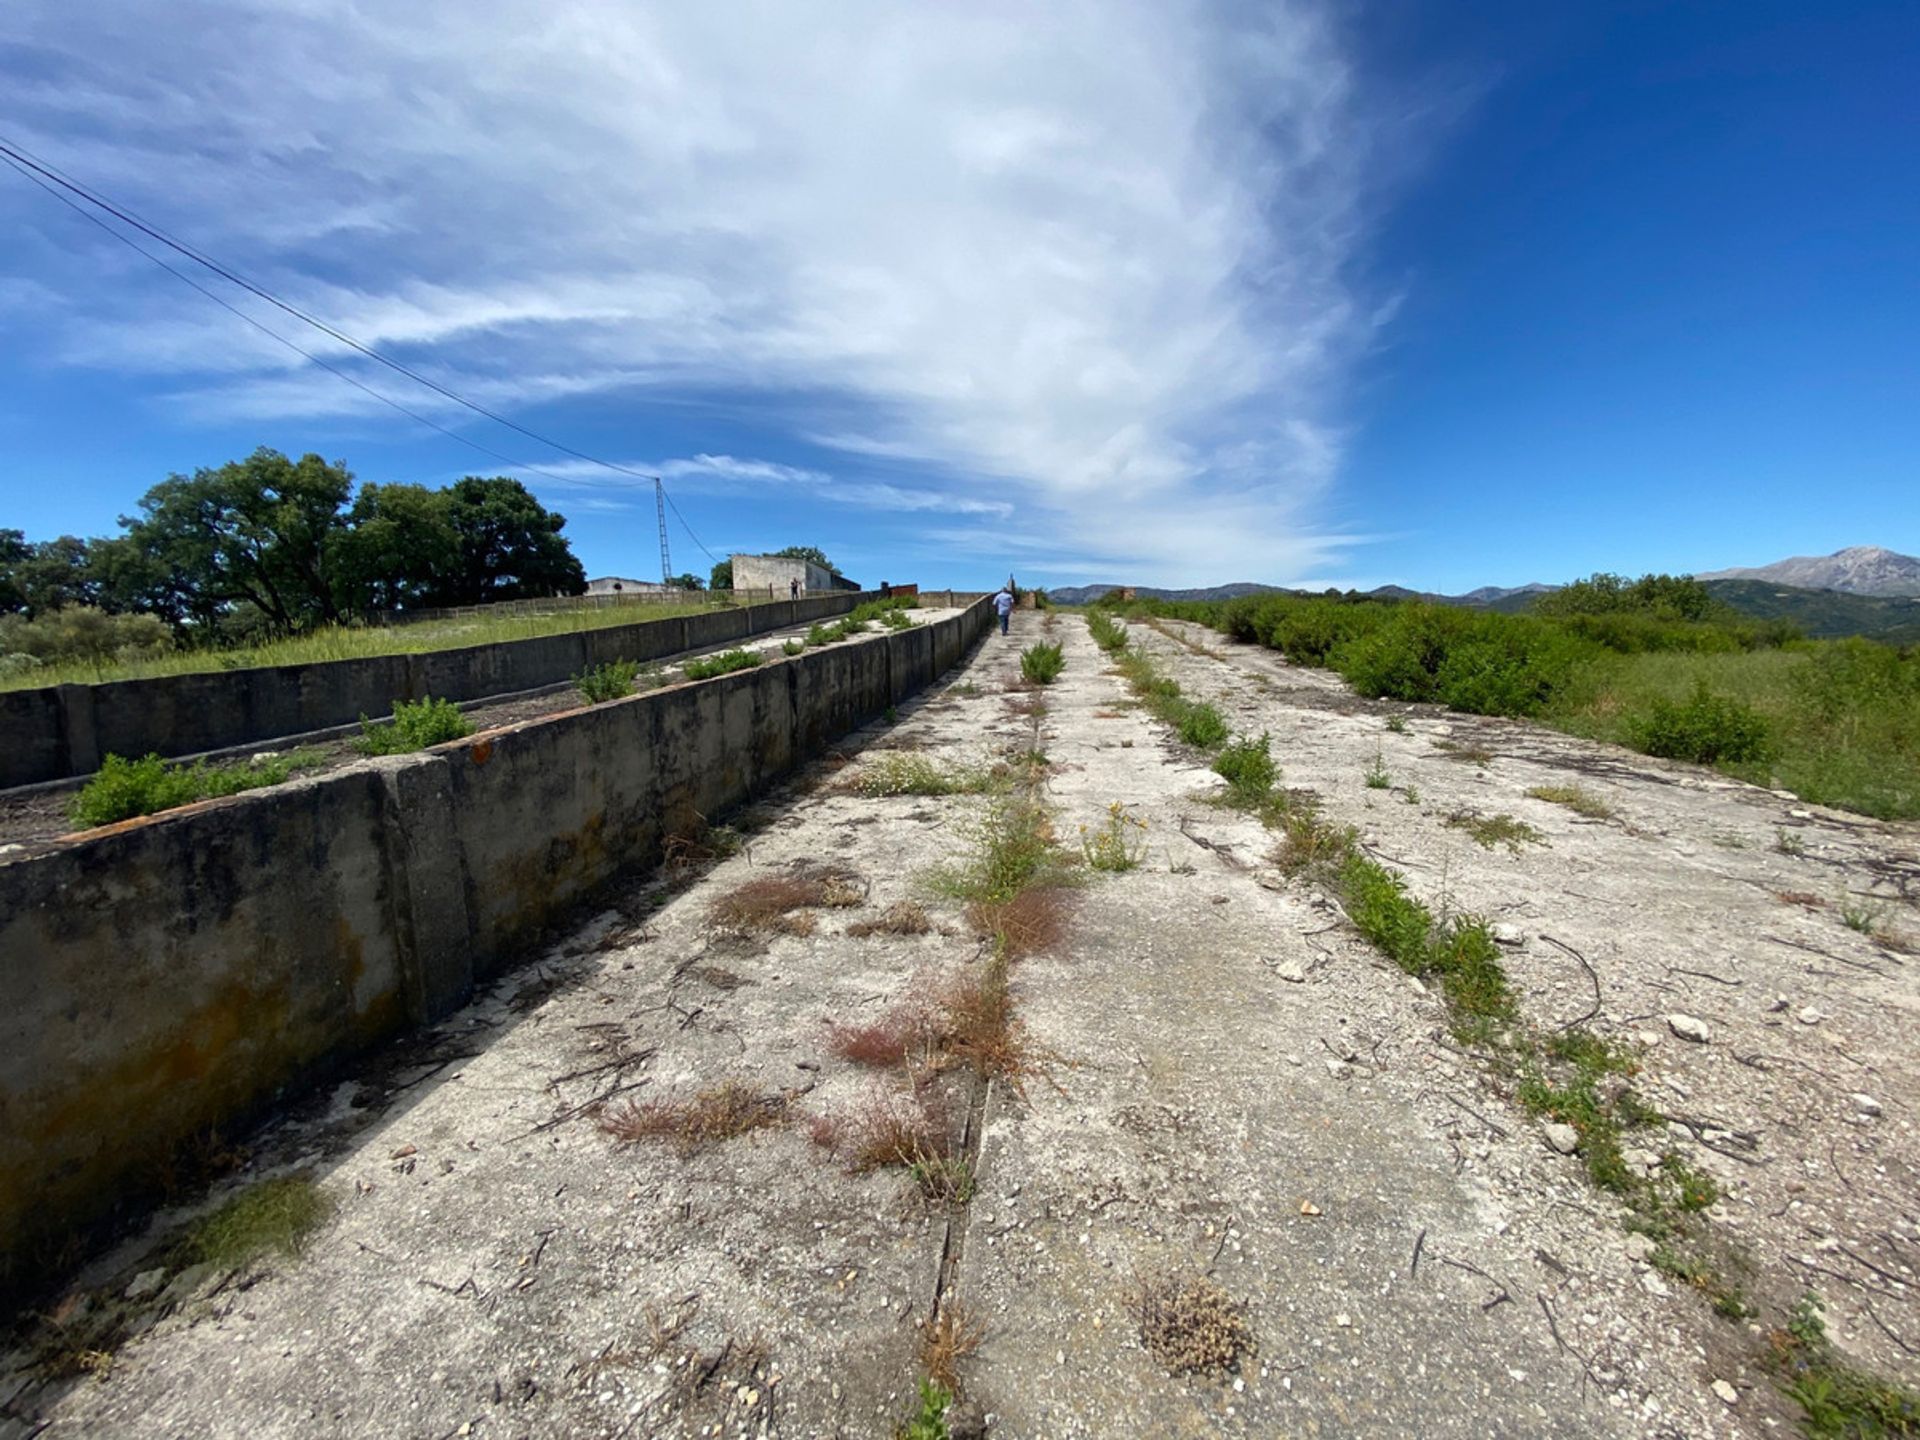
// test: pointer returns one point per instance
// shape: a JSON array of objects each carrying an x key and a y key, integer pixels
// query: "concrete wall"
[
  {"x": 776, "y": 572},
  {"x": 177, "y": 973},
  {"x": 64, "y": 730}
]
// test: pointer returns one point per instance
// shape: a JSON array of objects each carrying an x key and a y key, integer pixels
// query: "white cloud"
[{"x": 1080, "y": 264}]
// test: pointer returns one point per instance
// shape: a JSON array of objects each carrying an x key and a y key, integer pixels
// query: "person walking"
[
  {"x": 1003, "y": 607},
  {"x": 793, "y": 589}
]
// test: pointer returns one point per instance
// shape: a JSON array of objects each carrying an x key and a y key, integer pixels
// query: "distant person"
[
  {"x": 1003, "y": 607},
  {"x": 793, "y": 589}
]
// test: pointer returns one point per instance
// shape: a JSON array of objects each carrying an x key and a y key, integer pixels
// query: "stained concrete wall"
[
  {"x": 52, "y": 733},
  {"x": 178, "y": 973}
]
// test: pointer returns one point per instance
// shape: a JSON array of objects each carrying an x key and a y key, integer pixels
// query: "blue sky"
[{"x": 1430, "y": 293}]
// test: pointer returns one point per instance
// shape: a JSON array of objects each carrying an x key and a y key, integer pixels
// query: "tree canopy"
[
  {"x": 809, "y": 552},
  {"x": 271, "y": 542}
]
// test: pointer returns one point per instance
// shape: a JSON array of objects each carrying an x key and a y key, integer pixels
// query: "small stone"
[
  {"x": 1866, "y": 1104},
  {"x": 1563, "y": 1138},
  {"x": 1504, "y": 934},
  {"x": 1653, "y": 1284},
  {"x": 1291, "y": 971},
  {"x": 1726, "y": 1392},
  {"x": 1800, "y": 814},
  {"x": 1416, "y": 984},
  {"x": 1307, "y": 1207},
  {"x": 404, "y": 1151},
  {"x": 1059, "y": 1357},
  {"x": 1811, "y": 1016},
  {"x": 148, "y": 1282},
  {"x": 1337, "y": 1069},
  {"x": 1343, "y": 1320},
  {"x": 1639, "y": 1247},
  {"x": 1642, "y": 1160},
  {"x": 1688, "y": 1028},
  {"x": 1778, "y": 1004},
  {"x": 1648, "y": 1038}
]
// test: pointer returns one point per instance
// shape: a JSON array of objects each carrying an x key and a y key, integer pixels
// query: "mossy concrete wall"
[
  {"x": 64, "y": 730},
  {"x": 180, "y": 973}
]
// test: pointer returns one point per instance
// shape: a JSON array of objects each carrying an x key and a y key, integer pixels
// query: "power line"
[{"x": 41, "y": 174}]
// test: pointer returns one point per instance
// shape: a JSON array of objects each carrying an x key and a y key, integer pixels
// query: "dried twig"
[
  {"x": 1586, "y": 1365},
  {"x": 1419, "y": 1244},
  {"x": 1591, "y": 975},
  {"x": 1488, "y": 1304}
]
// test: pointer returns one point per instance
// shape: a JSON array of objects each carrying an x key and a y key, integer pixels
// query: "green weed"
[
  {"x": 1202, "y": 726},
  {"x": 1042, "y": 662},
  {"x": 929, "y": 1419},
  {"x": 415, "y": 725},
  {"x": 1491, "y": 830},
  {"x": 1376, "y": 774},
  {"x": 272, "y": 1216},
  {"x": 1117, "y": 845},
  {"x": 725, "y": 663},
  {"x": 610, "y": 681},
  {"x": 1247, "y": 767},
  {"x": 1581, "y": 802},
  {"x": 125, "y": 788},
  {"x": 905, "y": 772}
]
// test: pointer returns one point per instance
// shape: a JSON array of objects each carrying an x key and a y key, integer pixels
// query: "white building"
[
  {"x": 620, "y": 585},
  {"x": 774, "y": 575}
]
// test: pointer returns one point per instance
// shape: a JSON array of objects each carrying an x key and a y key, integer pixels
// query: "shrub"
[
  {"x": 792, "y": 647},
  {"x": 125, "y": 788},
  {"x": 1042, "y": 663},
  {"x": 80, "y": 632},
  {"x": 725, "y": 663},
  {"x": 1119, "y": 844},
  {"x": 1107, "y": 633},
  {"x": 1203, "y": 726},
  {"x": 415, "y": 725},
  {"x": 606, "y": 682},
  {"x": 1247, "y": 767},
  {"x": 1707, "y": 728}
]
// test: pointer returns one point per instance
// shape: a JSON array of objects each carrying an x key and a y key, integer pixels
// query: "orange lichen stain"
[{"x": 480, "y": 753}]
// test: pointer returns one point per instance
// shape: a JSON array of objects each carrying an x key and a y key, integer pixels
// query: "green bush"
[
  {"x": 606, "y": 682},
  {"x": 725, "y": 663},
  {"x": 1203, "y": 726},
  {"x": 80, "y": 632},
  {"x": 125, "y": 788},
  {"x": 1042, "y": 663},
  {"x": 1107, "y": 632},
  {"x": 415, "y": 725},
  {"x": 1707, "y": 728},
  {"x": 792, "y": 647},
  {"x": 1247, "y": 767}
]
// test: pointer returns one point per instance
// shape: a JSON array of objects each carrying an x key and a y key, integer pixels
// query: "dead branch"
[{"x": 1591, "y": 975}]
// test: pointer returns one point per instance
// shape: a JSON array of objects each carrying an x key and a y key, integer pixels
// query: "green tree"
[
  {"x": 809, "y": 552},
  {"x": 509, "y": 545},
  {"x": 258, "y": 530},
  {"x": 721, "y": 577},
  {"x": 398, "y": 551},
  {"x": 40, "y": 577},
  {"x": 688, "y": 581}
]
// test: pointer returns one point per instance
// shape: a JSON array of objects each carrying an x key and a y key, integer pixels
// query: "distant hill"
[
  {"x": 1826, "y": 614},
  {"x": 1087, "y": 594},
  {"x": 1857, "y": 570}
]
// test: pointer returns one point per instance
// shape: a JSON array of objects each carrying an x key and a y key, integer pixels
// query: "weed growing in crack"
[
  {"x": 1788, "y": 843},
  {"x": 952, "y": 1337},
  {"x": 1109, "y": 634},
  {"x": 1247, "y": 767},
  {"x": 1042, "y": 662},
  {"x": 1581, "y": 802},
  {"x": 886, "y": 1127},
  {"x": 1397, "y": 724},
  {"x": 1376, "y": 774},
  {"x": 1860, "y": 917},
  {"x": 1011, "y": 848},
  {"x": 1118, "y": 845},
  {"x": 415, "y": 725},
  {"x": 717, "y": 1113},
  {"x": 1202, "y": 726},
  {"x": 897, "y": 772},
  {"x": 1491, "y": 830},
  {"x": 1192, "y": 1326},
  {"x": 929, "y": 1419},
  {"x": 792, "y": 647}
]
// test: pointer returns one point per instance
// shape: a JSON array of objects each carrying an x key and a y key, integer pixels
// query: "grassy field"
[
  {"x": 1835, "y": 721},
  {"x": 350, "y": 642}
]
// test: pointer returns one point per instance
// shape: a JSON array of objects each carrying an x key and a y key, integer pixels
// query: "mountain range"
[
  {"x": 1862, "y": 590},
  {"x": 1857, "y": 570}
]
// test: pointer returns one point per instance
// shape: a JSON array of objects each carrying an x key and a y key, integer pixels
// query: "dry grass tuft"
[
  {"x": 905, "y": 917},
  {"x": 770, "y": 903},
  {"x": 884, "y": 1127},
  {"x": 949, "y": 1340},
  {"x": 1192, "y": 1326},
  {"x": 718, "y": 1113},
  {"x": 1806, "y": 899},
  {"x": 905, "y": 1030},
  {"x": 1031, "y": 923}
]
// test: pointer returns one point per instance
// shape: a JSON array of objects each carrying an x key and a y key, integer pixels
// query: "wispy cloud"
[{"x": 1082, "y": 265}]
